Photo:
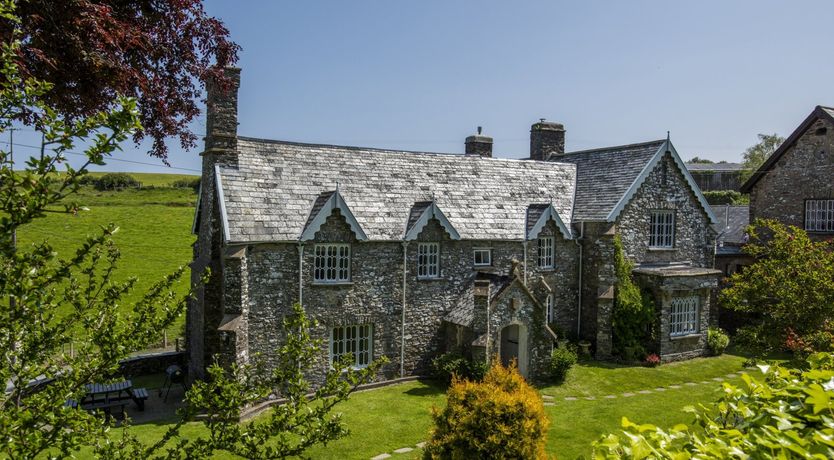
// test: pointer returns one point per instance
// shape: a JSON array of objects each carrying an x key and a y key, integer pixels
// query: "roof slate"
[
  {"x": 275, "y": 188},
  {"x": 714, "y": 167},
  {"x": 732, "y": 220},
  {"x": 605, "y": 175}
]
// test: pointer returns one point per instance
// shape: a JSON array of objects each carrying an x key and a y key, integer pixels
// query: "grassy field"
[
  {"x": 154, "y": 229},
  {"x": 390, "y": 418}
]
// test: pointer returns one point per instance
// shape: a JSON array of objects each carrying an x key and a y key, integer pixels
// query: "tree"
[
  {"x": 288, "y": 430},
  {"x": 789, "y": 288},
  {"x": 784, "y": 413},
  {"x": 92, "y": 51},
  {"x": 47, "y": 301},
  {"x": 701, "y": 160},
  {"x": 501, "y": 417},
  {"x": 755, "y": 156}
]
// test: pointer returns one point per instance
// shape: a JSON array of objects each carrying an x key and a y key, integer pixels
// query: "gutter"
[{"x": 301, "y": 274}]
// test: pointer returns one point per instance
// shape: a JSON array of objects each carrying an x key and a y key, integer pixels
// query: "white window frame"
[
  {"x": 662, "y": 229},
  {"x": 549, "y": 309},
  {"x": 331, "y": 263},
  {"x": 355, "y": 339},
  {"x": 683, "y": 315},
  {"x": 428, "y": 260},
  {"x": 485, "y": 262},
  {"x": 546, "y": 249},
  {"x": 819, "y": 215}
]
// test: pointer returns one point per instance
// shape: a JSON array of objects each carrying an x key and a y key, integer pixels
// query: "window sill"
[
  {"x": 651, "y": 249},
  {"x": 433, "y": 279},
  {"x": 332, "y": 283},
  {"x": 685, "y": 336}
]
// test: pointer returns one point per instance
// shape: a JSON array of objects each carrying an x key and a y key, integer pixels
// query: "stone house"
[
  {"x": 796, "y": 184},
  {"x": 716, "y": 176},
  {"x": 409, "y": 254}
]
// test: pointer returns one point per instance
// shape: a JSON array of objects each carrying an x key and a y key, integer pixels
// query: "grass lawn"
[
  {"x": 389, "y": 418},
  {"x": 154, "y": 230}
]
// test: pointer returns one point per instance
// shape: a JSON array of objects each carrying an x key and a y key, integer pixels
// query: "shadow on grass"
[{"x": 431, "y": 388}]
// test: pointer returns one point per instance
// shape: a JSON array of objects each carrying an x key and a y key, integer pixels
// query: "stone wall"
[
  {"x": 666, "y": 188},
  {"x": 804, "y": 171},
  {"x": 374, "y": 293},
  {"x": 598, "y": 281}
]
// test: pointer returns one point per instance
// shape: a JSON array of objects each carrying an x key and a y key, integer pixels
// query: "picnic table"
[{"x": 107, "y": 396}]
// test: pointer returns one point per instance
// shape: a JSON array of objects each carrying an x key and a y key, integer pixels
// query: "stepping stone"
[
  {"x": 706, "y": 382},
  {"x": 570, "y": 398},
  {"x": 610, "y": 396},
  {"x": 627, "y": 395},
  {"x": 660, "y": 389},
  {"x": 381, "y": 457},
  {"x": 675, "y": 386},
  {"x": 718, "y": 379},
  {"x": 590, "y": 398},
  {"x": 547, "y": 397},
  {"x": 549, "y": 404},
  {"x": 644, "y": 392},
  {"x": 403, "y": 450},
  {"x": 691, "y": 384},
  {"x": 420, "y": 445},
  {"x": 732, "y": 375}
]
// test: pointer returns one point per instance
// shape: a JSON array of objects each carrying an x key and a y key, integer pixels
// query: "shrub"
[
  {"x": 448, "y": 365},
  {"x": 717, "y": 341},
  {"x": 114, "y": 181},
  {"x": 652, "y": 360},
  {"x": 501, "y": 417},
  {"x": 785, "y": 413},
  {"x": 193, "y": 183},
  {"x": 731, "y": 197},
  {"x": 561, "y": 360}
]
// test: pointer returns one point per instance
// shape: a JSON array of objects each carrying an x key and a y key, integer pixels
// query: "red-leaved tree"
[{"x": 158, "y": 51}]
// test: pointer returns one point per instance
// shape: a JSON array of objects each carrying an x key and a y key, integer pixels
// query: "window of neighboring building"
[
  {"x": 428, "y": 260},
  {"x": 550, "y": 308},
  {"x": 546, "y": 252},
  {"x": 355, "y": 341},
  {"x": 684, "y": 315},
  {"x": 819, "y": 215},
  {"x": 332, "y": 263},
  {"x": 662, "y": 229},
  {"x": 482, "y": 257}
]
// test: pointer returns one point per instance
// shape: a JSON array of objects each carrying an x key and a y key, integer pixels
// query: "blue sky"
[{"x": 423, "y": 75}]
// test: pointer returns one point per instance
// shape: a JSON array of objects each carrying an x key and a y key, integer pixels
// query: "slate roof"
[
  {"x": 605, "y": 175},
  {"x": 270, "y": 195},
  {"x": 714, "y": 166},
  {"x": 732, "y": 220},
  {"x": 820, "y": 112}
]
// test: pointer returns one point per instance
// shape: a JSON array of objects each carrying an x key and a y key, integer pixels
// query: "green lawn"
[
  {"x": 398, "y": 416},
  {"x": 154, "y": 230}
]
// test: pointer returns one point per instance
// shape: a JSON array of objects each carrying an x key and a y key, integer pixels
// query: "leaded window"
[
  {"x": 819, "y": 215},
  {"x": 332, "y": 263},
  {"x": 428, "y": 260},
  {"x": 662, "y": 229},
  {"x": 684, "y": 315},
  {"x": 482, "y": 257},
  {"x": 355, "y": 341},
  {"x": 546, "y": 252}
]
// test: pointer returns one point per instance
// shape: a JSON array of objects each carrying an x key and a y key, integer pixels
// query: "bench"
[
  {"x": 106, "y": 406},
  {"x": 139, "y": 395}
]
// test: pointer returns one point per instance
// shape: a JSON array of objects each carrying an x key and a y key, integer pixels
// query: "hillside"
[{"x": 154, "y": 234}]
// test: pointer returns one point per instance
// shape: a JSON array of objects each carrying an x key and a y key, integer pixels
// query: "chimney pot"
[
  {"x": 547, "y": 139},
  {"x": 479, "y": 145}
]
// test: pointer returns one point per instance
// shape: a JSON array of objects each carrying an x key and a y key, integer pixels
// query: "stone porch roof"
[{"x": 277, "y": 186}]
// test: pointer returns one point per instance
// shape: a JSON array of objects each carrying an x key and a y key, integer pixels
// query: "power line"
[{"x": 113, "y": 159}]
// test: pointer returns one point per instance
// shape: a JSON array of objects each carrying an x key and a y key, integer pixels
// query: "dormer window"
[
  {"x": 662, "y": 229},
  {"x": 428, "y": 260},
  {"x": 482, "y": 257},
  {"x": 332, "y": 263},
  {"x": 546, "y": 244}
]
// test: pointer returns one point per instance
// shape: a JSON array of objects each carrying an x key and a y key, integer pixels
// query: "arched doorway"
[{"x": 514, "y": 346}]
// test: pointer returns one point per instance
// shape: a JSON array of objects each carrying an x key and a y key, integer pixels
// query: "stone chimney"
[
  {"x": 547, "y": 140},
  {"x": 479, "y": 145},
  {"x": 221, "y": 112}
]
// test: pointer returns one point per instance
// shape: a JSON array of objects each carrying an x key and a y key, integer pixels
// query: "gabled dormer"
[
  {"x": 421, "y": 213},
  {"x": 323, "y": 207}
]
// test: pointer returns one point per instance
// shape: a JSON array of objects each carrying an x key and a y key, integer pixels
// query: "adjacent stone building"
[
  {"x": 410, "y": 254},
  {"x": 716, "y": 176},
  {"x": 796, "y": 184}
]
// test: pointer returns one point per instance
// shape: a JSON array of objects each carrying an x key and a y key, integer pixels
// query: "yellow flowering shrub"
[{"x": 500, "y": 417}]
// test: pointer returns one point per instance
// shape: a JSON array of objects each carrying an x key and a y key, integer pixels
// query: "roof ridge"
[{"x": 617, "y": 147}]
